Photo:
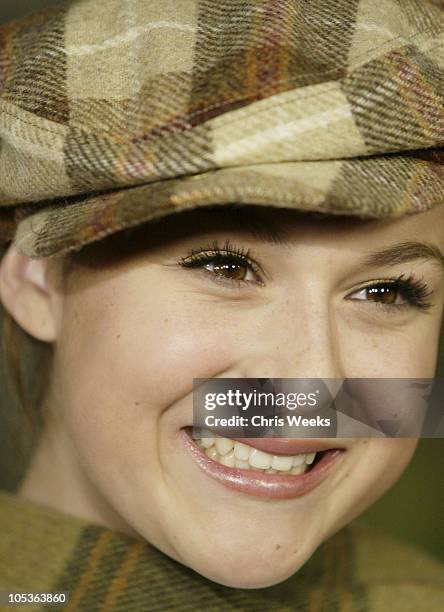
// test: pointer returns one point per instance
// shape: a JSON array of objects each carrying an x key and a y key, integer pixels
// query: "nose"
[
  {"x": 299, "y": 340},
  {"x": 295, "y": 340}
]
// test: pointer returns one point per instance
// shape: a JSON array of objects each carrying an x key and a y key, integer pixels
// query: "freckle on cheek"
[{"x": 278, "y": 546}]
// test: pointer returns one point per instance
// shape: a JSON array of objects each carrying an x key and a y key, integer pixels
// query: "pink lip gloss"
[{"x": 277, "y": 486}]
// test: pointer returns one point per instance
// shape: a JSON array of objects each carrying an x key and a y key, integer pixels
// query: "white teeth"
[
  {"x": 242, "y": 456},
  {"x": 299, "y": 459},
  {"x": 228, "y": 459},
  {"x": 282, "y": 463},
  {"x": 207, "y": 442},
  {"x": 260, "y": 460},
  {"x": 224, "y": 445},
  {"x": 243, "y": 465},
  {"x": 242, "y": 451},
  {"x": 310, "y": 458},
  {"x": 212, "y": 452},
  {"x": 297, "y": 469}
]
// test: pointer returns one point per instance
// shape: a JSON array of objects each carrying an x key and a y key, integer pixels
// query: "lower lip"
[{"x": 259, "y": 484}]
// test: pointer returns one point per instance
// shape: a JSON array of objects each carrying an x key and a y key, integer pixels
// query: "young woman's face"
[{"x": 135, "y": 331}]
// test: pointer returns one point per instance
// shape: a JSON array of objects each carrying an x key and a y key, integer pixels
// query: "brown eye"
[
  {"x": 230, "y": 265},
  {"x": 229, "y": 268},
  {"x": 384, "y": 294},
  {"x": 398, "y": 294}
]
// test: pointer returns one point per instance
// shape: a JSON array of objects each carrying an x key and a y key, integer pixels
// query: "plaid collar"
[{"x": 356, "y": 570}]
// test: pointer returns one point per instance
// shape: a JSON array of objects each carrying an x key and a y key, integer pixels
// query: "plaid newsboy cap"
[{"x": 113, "y": 113}]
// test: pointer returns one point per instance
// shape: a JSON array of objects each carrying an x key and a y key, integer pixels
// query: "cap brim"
[{"x": 373, "y": 187}]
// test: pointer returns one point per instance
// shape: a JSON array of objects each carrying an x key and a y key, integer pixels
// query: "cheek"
[
  {"x": 408, "y": 353},
  {"x": 123, "y": 350},
  {"x": 124, "y": 367}
]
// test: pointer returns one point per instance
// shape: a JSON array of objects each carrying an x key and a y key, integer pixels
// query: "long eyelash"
[
  {"x": 415, "y": 292},
  {"x": 197, "y": 257}
]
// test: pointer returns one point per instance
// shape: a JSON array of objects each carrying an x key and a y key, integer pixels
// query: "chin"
[
  {"x": 253, "y": 577},
  {"x": 251, "y": 570}
]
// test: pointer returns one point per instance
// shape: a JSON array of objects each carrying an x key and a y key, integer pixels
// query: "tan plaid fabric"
[
  {"x": 114, "y": 112},
  {"x": 357, "y": 570}
]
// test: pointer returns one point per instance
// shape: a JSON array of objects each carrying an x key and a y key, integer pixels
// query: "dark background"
[
  {"x": 9, "y": 9},
  {"x": 413, "y": 509}
]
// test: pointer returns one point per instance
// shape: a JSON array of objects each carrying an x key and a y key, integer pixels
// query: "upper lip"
[{"x": 285, "y": 446}]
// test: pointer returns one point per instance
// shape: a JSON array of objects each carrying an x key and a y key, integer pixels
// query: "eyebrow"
[{"x": 402, "y": 252}]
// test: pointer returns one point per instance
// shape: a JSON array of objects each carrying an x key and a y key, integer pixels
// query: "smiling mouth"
[
  {"x": 236, "y": 454},
  {"x": 272, "y": 468}
]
